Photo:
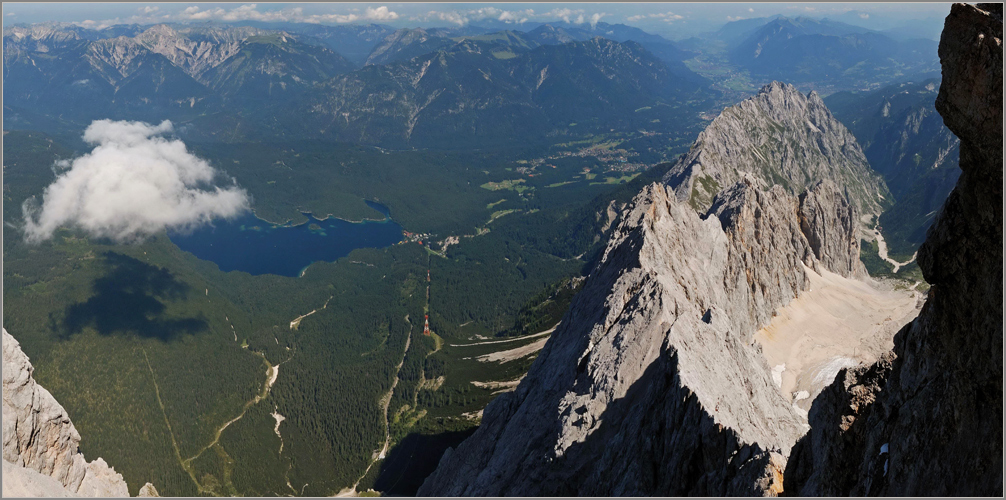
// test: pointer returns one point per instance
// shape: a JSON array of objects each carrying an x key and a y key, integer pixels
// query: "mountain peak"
[
  {"x": 779, "y": 136},
  {"x": 777, "y": 86},
  {"x": 161, "y": 30}
]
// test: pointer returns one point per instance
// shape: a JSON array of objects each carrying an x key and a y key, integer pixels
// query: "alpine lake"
[{"x": 256, "y": 246}]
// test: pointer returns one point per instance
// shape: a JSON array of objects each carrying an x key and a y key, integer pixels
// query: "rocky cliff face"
[
  {"x": 405, "y": 44},
  {"x": 779, "y": 136},
  {"x": 652, "y": 385},
  {"x": 196, "y": 50},
  {"x": 40, "y": 444},
  {"x": 927, "y": 418}
]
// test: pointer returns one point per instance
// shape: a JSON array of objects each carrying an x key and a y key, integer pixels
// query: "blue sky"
[{"x": 674, "y": 20}]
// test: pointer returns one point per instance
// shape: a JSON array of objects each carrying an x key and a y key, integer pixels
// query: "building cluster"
[{"x": 420, "y": 238}]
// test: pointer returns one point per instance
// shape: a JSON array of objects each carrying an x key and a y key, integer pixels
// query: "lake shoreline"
[{"x": 311, "y": 215}]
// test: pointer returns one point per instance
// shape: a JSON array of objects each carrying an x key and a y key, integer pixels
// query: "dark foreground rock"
[{"x": 927, "y": 419}]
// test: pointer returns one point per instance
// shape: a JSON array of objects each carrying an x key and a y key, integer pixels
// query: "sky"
[{"x": 673, "y": 20}]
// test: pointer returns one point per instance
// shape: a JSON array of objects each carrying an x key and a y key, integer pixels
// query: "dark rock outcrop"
[{"x": 927, "y": 419}]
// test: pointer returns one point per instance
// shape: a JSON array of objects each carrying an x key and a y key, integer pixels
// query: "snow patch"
[
  {"x": 827, "y": 373},
  {"x": 777, "y": 374}
]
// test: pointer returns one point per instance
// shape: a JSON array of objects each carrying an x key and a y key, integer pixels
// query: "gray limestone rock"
[
  {"x": 778, "y": 137},
  {"x": 38, "y": 434},
  {"x": 24, "y": 482},
  {"x": 652, "y": 385},
  {"x": 148, "y": 490},
  {"x": 830, "y": 224}
]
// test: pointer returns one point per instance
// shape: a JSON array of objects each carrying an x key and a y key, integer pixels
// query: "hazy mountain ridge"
[
  {"x": 905, "y": 141},
  {"x": 162, "y": 72},
  {"x": 468, "y": 91},
  {"x": 479, "y": 86},
  {"x": 83, "y": 78},
  {"x": 405, "y": 44},
  {"x": 806, "y": 50}
]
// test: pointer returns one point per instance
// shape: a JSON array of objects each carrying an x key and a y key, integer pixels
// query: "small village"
[{"x": 615, "y": 160}]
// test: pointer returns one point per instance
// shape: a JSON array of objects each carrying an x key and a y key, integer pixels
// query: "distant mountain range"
[
  {"x": 807, "y": 50},
  {"x": 479, "y": 92},
  {"x": 418, "y": 88},
  {"x": 160, "y": 72},
  {"x": 824, "y": 54}
]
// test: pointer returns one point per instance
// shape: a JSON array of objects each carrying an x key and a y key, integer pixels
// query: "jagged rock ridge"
[
  {"x": 779, "y": 136},
  {"x": 652, "y": 385},
  {"x": 927, "y": 418},
  {"x": 40, "y": 444}
]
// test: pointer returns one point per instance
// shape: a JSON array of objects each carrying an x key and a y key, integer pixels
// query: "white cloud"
[
  {"x": 149, "y": 10},
  {"x": 450, "y": 17},
  {"x": 380, "y": 14},
  {"x": 463, "y": 17},
  {"x": 9, "y": 14},
  {"x": 750, "y": 9},
  {"x": 864, "y": 15},
  {"x": 735, "y": 18},
  {"x": 667, "y": 17},
  {"x": 134, "y": 183},
  {"x": 250, "y": 12},
  {"x": 517, "y": 16},
  {"x": 565, "y": 14}
]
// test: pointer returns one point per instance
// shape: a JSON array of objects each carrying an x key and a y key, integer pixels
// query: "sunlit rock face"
[
  {"x": 40, "y": 444},
  {"x": 652, "y": 384},
  {"x": 778, "y": 137}
]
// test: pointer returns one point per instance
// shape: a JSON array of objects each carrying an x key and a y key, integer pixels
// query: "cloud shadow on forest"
[{"x": 129, "y": 300}]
